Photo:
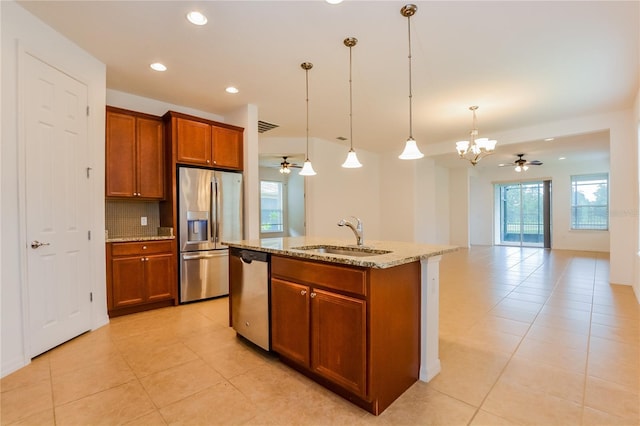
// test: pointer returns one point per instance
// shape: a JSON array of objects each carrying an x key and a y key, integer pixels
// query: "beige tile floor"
[{"x": 527, "y": 336}]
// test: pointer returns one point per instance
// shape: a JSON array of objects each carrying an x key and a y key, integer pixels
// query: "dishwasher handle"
[{"x": 248, "y": 256}]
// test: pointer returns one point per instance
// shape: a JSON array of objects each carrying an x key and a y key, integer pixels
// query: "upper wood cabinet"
[
  {"x": 227, "y": 147},
  {"x": 134, "y": 155},
  {"x": 204, "y": 143},
  {"x": 194, "y": 142}
]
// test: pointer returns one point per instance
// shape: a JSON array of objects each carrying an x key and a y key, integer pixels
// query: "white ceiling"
[{"x": 523, "y": 63}]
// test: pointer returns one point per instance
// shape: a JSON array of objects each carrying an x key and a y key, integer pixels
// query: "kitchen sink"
[{"x": 345, "y": 251}]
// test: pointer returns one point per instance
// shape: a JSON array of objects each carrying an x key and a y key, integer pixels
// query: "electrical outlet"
[{"x": 143, "y": 220}]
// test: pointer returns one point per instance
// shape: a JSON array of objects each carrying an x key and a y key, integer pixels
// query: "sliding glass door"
[{"x": 523, "y": 214}]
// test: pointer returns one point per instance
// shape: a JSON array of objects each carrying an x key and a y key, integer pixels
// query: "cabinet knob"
[
  {"x": 303, "y": 292},
  {"x": 208, "y": 161},
  {"x": 142, "y": 259},
  {"x": 312, "y": 295},
  {"x": 144, "y": 247}
]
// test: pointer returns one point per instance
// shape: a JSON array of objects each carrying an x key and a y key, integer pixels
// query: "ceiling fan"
[
  {"x": 522, "y": 165},
  {"x": 285, "y": 166}
]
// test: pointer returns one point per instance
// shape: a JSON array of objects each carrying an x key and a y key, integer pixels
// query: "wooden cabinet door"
[
  {"x": 194, "y": 142},
  {"x": 290, "y": 320},
  {"x": 150, "y": 155},
  {"x": 128, "y": 281},
  {"x": 339, "y": 344},
  {"x": 227, "y": 148},
  {"x": 159, "y": 277},
  {"x": 120, "y": 155}
]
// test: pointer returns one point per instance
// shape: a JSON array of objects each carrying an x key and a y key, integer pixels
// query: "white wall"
[
  {"x": 459, "y": 207},
  {"x": 295, "y": 200},
  {"x": 636, "y": 271},
  {"x": 562, "y": 237},
  {"x": 151, "y": 106},
  {"x": 19, "y": 28},
  {"x": 397, "y": 194},
  {"x": 335, "y": 192}
]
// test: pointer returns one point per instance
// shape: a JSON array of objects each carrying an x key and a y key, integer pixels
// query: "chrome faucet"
[{"x": 357, "y": 229}]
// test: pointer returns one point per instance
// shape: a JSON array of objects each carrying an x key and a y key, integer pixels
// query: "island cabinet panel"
[
  {"x": 363, "y": 326},
  {"x": 338, "y": 277},
  {"x": 140, "y": 276},
  {"x": 134, "y": 155},
  {"x": 339, "y": 330},
  {"x": 290, "y": 320}
]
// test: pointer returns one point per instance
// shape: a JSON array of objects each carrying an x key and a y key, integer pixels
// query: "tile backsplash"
[{"x": 123, "y": 218}]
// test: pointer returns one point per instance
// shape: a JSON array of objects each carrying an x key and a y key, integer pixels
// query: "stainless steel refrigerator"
[{"x": 209, "y": 212}]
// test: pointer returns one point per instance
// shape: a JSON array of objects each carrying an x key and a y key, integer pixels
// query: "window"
[
  {"x": 590, "y": 201},
  {"x": 271, "y": 206}
]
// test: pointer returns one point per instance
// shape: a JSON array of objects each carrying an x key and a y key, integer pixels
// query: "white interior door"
[{"x": 57, "y": 204}]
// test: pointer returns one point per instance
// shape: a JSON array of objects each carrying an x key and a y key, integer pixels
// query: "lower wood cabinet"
[
  {"x": 140, "y": 276},
  {"x": 355, "y": 330},
  {"x": 324, "y": 331}
]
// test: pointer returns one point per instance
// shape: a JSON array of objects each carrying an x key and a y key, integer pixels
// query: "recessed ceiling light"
[
  {"x": 549, "y": 139},
  {"x": 196, "y": 18},
  {"x": 157, "y": 66},
  {"x": 231, "y": 89},
  {"x": 562, "y": 158},
  {"x": 334, "y": 1}
]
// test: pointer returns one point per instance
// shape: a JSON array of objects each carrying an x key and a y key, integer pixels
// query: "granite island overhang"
[
  {"x": 296, "y": 253},
  {"x": 397, "y": 252}
]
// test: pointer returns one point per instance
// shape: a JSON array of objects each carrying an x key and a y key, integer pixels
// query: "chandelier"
[{"x": 476, "y": 149}]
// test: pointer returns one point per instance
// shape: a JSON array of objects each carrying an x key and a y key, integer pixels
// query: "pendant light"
[
  {"x": 352, "y": 160},
  {"x": 411, "y": 151},
  {"x": 307, "y": 168}
]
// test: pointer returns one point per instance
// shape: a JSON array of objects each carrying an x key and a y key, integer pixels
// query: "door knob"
[{"x": 35, "y": 244}]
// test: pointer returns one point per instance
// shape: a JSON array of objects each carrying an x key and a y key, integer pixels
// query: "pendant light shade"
[
  {"x": 411, "y": 151},
  {"x": 307, "y": 168},
  {"x": 352, "y": 159}
]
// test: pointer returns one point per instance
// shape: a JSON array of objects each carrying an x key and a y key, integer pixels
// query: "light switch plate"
[{"x": 143, "y": 220}]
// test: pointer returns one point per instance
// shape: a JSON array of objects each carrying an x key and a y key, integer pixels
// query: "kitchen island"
[{"x": 360, "y": 320}]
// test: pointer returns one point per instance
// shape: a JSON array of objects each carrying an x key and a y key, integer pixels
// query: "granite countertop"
[
  {"x": 398, "y": 252},
  {"x": 133, "y": 239}
]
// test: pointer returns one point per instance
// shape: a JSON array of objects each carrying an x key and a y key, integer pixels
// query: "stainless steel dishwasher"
[{"x": 249, "y": 295}]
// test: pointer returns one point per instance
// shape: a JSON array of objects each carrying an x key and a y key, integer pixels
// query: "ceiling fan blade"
[{"x": 534, "y": 163}]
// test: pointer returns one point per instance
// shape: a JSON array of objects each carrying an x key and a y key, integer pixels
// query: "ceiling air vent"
[{"x": 263, "y": 126}]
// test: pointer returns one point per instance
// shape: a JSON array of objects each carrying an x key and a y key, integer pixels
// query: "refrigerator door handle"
[
  {"x": 217, "y": 213},
  {"x": 212, "y": 212}
]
